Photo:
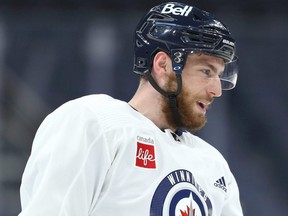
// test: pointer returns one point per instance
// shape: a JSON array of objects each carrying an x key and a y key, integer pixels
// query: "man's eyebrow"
[
  {"x": 209, "y": 65},
  {"x": 213, "y": 68}
]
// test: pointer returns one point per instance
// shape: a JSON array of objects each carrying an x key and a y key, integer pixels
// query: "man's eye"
[{"x": 207, "y": 72}]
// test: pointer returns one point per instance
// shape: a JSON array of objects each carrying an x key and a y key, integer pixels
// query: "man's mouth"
[{"x": 203, "y": 105}]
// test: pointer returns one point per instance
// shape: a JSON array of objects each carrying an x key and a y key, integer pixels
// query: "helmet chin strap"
[{"x": 172, "y": 96}]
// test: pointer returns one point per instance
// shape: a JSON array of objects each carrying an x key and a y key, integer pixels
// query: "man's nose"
[{"x": 215, "y": 88}]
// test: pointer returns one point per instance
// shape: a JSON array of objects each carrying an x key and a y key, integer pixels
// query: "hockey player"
[{"x": 97, "y": 155}]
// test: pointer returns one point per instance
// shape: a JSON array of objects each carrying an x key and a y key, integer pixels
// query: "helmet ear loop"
[
  {"x": 172, "y": 96},
  {"x": 178, "y": 59}
]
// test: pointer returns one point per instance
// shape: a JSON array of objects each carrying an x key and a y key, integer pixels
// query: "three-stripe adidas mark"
[{"x": 220, "y": 183}]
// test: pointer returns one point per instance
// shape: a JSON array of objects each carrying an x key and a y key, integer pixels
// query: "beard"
[{"x": 189, "y": 119}]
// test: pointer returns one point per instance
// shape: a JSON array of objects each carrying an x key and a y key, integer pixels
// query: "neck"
[{"x": 148, "y": 102}]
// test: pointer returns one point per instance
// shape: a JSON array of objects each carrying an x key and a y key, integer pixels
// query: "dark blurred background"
[{"x": 52, "y": 51}]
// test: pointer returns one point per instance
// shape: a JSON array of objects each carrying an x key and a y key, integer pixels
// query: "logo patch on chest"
[
  {"x": 145, "y": 156},
  {"x": 220, "y": 183}
]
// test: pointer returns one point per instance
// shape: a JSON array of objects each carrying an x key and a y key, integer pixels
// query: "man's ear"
[{"x": 161, "y": 63}]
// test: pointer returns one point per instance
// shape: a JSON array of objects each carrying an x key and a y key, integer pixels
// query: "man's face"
[{"x": 201, "y": 83}]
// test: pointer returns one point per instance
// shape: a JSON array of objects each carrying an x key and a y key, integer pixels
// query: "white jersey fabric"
[{"x": 98, "y": 156}]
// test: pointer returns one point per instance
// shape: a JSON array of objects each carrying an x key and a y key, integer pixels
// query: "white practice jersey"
[{"x": 97, "y": 156}]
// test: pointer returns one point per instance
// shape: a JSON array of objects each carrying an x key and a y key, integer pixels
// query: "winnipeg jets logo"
[
  {"x": 189, "y": 211},
  {"x": 178, "y": 194}
]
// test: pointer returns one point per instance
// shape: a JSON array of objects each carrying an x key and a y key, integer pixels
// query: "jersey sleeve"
[
  {"x": 68, "y": 163},
  {"x": 232, "y": 205}
]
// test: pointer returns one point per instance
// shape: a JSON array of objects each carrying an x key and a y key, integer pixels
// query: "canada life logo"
[
  {"x": 145, "y": 154},
  {"x": 171, "y": 8}
]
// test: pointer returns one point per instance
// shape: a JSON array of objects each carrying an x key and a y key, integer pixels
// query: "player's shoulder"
[
  {"x": 94, "y": 102},
  {"x": 101, "y": 108},
  {"x": 87, "y": 106},
  {"x": 205, "y": 147}
]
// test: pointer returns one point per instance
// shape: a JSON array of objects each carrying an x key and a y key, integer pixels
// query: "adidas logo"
[{"x": 220, "y": 183}]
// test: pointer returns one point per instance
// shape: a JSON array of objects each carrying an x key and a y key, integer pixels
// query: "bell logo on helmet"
[{"x": 170, "y": 8}]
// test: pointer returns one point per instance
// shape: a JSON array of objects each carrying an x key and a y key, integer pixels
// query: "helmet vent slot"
[
  {"x": 213, "y": 29},
  {"x": 227, "y": 50},
  {"x": 157, "y": 17},
  {"x": 138, "y": 43},
  {"x": 143, "y": 27},
  {"x": 198, "y": 38},
  {"x": 196, "y": 18}
]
